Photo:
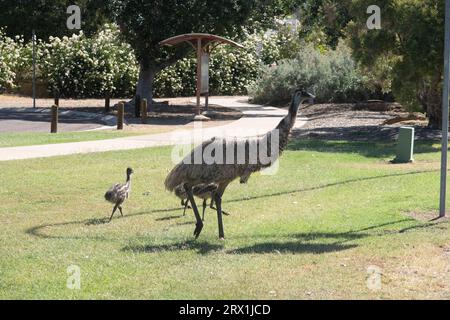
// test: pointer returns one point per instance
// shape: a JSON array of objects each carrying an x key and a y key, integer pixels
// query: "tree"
[
  {"x": 145, "y": 23},
  {"x": 48, "y": 18},
  {"x": 327, "y": 16},
  {"x": 408, "y": 49}
]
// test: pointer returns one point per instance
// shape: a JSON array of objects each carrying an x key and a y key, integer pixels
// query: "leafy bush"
[
  {"x": 332, "y": 75},
  {"x": 77, "y": 66},
  {"x": 88, "y": 67},
  {"x": 11, "y": 60}
]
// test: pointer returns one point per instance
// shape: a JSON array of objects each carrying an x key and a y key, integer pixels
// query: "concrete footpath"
[{"x": 257, "y": 119}]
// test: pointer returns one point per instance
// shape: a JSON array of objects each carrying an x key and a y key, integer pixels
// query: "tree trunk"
[
  {"x": 433, "y": 101},
  {"x": 434, "y": 116},
  {"x": 145, "y": 83}
]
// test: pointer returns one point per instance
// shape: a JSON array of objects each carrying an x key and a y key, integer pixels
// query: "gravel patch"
[{"x": 349, "y": 122}]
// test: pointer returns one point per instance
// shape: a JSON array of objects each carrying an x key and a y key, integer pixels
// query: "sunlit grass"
[
  {"x": 38, "y": 138},
  {"x": 310, "y": 231}
]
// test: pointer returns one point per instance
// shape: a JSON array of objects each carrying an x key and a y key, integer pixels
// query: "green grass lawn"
[
  {"x": 36, "y": 138},
  {"x": 309, "y": 232}
]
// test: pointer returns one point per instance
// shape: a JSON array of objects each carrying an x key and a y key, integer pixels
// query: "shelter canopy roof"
[{"x": 193, "y": 37}]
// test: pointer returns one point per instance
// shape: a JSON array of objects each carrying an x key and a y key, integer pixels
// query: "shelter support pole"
[{"x": 199, "y": 73}]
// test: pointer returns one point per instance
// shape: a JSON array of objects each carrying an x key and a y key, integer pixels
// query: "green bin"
[{"x": 405, "y": 145}]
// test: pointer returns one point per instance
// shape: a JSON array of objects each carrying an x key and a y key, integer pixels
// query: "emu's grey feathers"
[
  {"x": 203, "y": 191},
  {"x": 118, "y": 192}
]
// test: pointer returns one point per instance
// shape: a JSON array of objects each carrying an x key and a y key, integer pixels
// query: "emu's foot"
[
  {"x": 224, "y": 212},
  {"x": 198, "y": 229}
]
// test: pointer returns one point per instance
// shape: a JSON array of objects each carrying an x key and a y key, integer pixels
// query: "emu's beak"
[{"x": 310, "y": 95}]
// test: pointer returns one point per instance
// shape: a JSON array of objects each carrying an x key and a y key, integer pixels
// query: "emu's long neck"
[
  {"x": 277, "y": 138},
  {"x": 128, "y": 180},
  {"x": 285, "y": 125}
]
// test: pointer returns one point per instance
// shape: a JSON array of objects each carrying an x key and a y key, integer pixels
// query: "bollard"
[
  {"x": 144, "y": 110},
  {"x": 405, "y": 145},
  {"x": 54, "y": 121},
  {"x": 137, "y": 106},
  {"x": 120, "y": 112},
  {"x": 56, "y": 95},
  {"x": 107, "y": 103}
]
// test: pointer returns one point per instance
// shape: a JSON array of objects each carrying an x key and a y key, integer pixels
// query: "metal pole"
[
  {"x": 445, "y": 103},
  {"x": 34, "y": 68}
]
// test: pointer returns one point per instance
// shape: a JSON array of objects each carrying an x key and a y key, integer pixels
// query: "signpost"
[{"x": 445, "y": 104}]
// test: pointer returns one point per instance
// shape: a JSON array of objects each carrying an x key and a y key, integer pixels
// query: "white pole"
[
  {"x": 445, "y": 103},
  {"x": 34, "y": 68}
]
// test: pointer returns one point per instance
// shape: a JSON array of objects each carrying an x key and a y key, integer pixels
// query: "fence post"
[
  {"x": 107, "y": 102},
  {"x": 56, "y": 96},
  {"x": 120, "y": 112},
  {"x": 137, "y": 105},
  {"x": 144, "y": 110},
  {"x": 54, "y": 121}
]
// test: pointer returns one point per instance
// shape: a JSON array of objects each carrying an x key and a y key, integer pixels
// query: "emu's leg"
[
  {"x": 120, "y": 209},
  {"x": 204, "y": 208},
  {"x": 211, "y": 205},
  {"x": 219, "y": 215},
  {"x": 199, "y": 224},
  {"x": 185, "y": 206},
  {"x": 114, "y": 210}
]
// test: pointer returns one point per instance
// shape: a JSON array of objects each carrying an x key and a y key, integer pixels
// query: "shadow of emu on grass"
[
  {"x": 292, "y": 247},
  {"x": 199, "y": 247}
]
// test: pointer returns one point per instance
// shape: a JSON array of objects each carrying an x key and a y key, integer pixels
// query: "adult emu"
[{"x": 206, "y": 163}]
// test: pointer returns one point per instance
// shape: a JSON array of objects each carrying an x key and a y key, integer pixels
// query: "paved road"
[
  {"x": 38, "y": 120},
  {"x": 257, "y": 119}
]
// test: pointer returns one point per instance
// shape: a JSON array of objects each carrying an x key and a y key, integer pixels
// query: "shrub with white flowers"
[
  {"x": 12, "y": 60},
  {"x": 79, "y": 66}
]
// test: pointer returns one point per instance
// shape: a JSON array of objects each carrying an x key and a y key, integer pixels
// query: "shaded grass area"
[{"x": 311, "y": 231}]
